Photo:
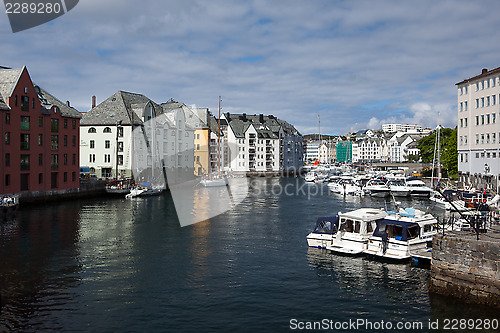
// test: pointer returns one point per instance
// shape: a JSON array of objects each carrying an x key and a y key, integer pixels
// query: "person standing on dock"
[{"x": 385, "y": 241}]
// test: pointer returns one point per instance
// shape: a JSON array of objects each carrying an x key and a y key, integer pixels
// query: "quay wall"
[
  {"x": 88, "y": 188},
  {"x": 466, "y": 268}
]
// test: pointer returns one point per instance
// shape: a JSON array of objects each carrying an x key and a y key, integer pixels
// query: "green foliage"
[{"x": 448, "y": 147}]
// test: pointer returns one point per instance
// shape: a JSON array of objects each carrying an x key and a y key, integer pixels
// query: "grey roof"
[
  {"x": 48, "y": 101},
  {"x": 121, "y": 106},
  {"x": 267, "y": 127},
  {"x": 193, "y": 118},
  {"x": 8, "y": 81},
  {"x": 289, "y": 129}
]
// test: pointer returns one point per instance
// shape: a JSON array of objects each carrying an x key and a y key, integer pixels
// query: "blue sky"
[{"x": 356, "y": 63}]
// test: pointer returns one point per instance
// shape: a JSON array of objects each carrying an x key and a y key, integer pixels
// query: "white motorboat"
[
  {"x": 377, "y": 188},
  {"x": 453, "y": 203},
  {"x": 324, "y": 232},
  {"x": 144, "y": 190},
  {"x": 310, "y": 176},
  {"x": 409, "y": 230},
  {"x": 355, "y": 227},
  {"x": 214, "y": 179},
  {"x": 418, "y": 188},
  {"x": 398, "y": 187},
  {"x": 345, "y": 186}
]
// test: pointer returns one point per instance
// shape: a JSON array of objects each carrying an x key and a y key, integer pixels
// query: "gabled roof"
[
  {"x": 8, "y": 81},
  {"x": 118, "y": 107}
]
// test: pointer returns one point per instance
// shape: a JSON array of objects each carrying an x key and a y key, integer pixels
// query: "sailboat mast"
[{"x": 218, "y": 141}]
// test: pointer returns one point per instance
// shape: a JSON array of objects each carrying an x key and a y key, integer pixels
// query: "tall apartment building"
[
  {"x": 41, "y": 135},
  {"x": 478, "y": 130},
  {"x": 393, "y": 128}
]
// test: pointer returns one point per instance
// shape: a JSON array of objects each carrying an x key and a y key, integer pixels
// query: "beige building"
[{"x": 478, "y": 130}]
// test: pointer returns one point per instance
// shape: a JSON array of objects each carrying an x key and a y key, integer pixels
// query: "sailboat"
[{"x": 218, "y": 178}]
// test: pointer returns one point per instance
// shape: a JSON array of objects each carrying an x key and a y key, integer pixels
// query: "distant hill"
[{"x": 316, "y": 136}]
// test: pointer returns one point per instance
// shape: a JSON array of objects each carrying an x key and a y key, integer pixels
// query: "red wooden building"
[{"x": 41, "y": 136}]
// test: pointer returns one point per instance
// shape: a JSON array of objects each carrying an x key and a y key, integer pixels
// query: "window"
[
  {"x": 54, "y": 125},
  {"x": 73, "y": 176},
  {"x": 65, "y": 141},
  {"x": 465, "y": 106},
  {"x": 120, "y": 132},
  {"x": 25, "y": 123},
  {"x": 482, "y": 138},
  {"x": 54, "y": 162},
  {"x": 92, "y": 144},
  {"x": 107, "y": 144},
  {"x": 477, "y": 139},
  {"x": 40, "y": 159},
  {"x": 54, "y": 142},
  {"x": 40, "y": 139},
  {"x": 73, "y": 159},
  {"x": 482, "y": 102},
  {"x": 120, "y": 146},
  {"x": 7, "y": 159},
  {"x": 25, "y": 141},
  {"x": 107, "y": 130},
  {"x": 477, "y": 103},
  {"x": 482, "y": 119},
  {"x": 25, "y": 162},
  {"x": 487, "y": 118},
  {"x": 92, "y": 130},
  {"x": 73, "y": 141},
  {"x": 65, "y": 177},
  {"x": 465, "y": 125},
  {"x": 7, "y": 118},
  {"x": 477, "y": 120},
  {"x": 487, "y": 137},
  {"x": 40, "y": 178},
  {"x": 40, "y": 121},
  {"x": 7, "y": 180},
  {"x": 65, "y": 159},
  {"x": 461, "y": 106},
  {"x": 92, "y": 158},
  {"x": 493, "y": 99},
  {"x": 493, "y": 118},
  {"x": 120, "y": 159},
  {"x": 25, "y": 103},
  {"x": 32, "y": 103},
  {"x": 7, "y": 138},
  {"x": 73, "y": 122},
  {"x": 493, "y": 137},
  {"x": 461, "y": 123}
]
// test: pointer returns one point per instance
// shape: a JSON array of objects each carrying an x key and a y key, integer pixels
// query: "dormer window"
[
  {"x": 107, "y": 130},
  {"x": 92, "y": 130}
]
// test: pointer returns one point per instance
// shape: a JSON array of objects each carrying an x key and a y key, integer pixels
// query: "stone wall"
[
  {"x": 466, "y": 268},
  {"x": 88, "y": 188}
]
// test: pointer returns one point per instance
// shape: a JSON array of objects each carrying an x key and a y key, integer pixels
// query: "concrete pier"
[{"x": 467, "y": 268}]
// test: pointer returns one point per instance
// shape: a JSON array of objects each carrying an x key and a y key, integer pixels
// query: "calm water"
[{"x": 127, "y": 266}]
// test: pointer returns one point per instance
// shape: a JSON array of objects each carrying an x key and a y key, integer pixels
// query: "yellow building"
[{"x": 201, "y": 151}]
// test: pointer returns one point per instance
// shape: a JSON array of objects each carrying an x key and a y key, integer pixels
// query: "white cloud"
[{"x": 357, "y": 63}]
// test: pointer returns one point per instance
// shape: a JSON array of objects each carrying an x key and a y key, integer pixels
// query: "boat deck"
[{"x": 423, "y": 254}]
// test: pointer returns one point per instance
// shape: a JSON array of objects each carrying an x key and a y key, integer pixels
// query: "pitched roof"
[
  {"x": 122, "y": 106},
  {"x": 484, "y": 73},
  {"x": 8, "y": 81},
  {"x": 48, "y": 101}
]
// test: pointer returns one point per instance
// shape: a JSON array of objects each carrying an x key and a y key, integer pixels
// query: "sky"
[{"x": 322, "y": 65}]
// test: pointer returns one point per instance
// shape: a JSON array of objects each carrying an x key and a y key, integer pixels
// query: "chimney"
[
  {"x": 228, "y": 117},
  {"x": 93, "y": 102},
  {"x": 244, "y": 118},
  {"x": 484, "y": 71},
  {"x": 261, "y": 118},
  {"x": 67, "y": 103}
]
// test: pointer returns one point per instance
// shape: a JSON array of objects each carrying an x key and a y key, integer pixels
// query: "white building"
[
  {"x": 393, "y": 128},
  {"x": 311, "y": 151},
  {"x": 129, "y": 132}
]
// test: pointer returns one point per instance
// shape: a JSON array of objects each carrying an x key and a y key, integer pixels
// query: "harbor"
[{"x": 100, "y": 258}]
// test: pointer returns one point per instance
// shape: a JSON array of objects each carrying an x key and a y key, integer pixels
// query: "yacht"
[
  {"x": 418, "y": 188},
  {"x": 355, "y": 227},
  {"x": 377, "y": 188},
  {"x": 409, "y": 231},
  {"x": 398, "y": 187},
  {"x": 345, "y": 186},
  {"x": 324, "y": 232},
  {"x": 144, "y": 190},
  {"x": 310, "y": 176}
]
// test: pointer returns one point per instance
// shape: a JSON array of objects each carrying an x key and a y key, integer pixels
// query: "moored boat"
[
  {"x": 418, "y": 188},
  {"x": 377, "y": 188},
  {"x": 325, "y": 230},
  {"x": 355, "y": 228},
  {"x": 8, "y": 206},
  {"x": 409, "y": 230}
]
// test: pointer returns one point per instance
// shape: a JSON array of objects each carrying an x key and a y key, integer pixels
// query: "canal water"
[{"x": 116, "y": 265}]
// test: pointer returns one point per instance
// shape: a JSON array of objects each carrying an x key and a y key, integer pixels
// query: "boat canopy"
[
  {"x": 400, "y": 230},
  {"x": 327, "y": 225}
]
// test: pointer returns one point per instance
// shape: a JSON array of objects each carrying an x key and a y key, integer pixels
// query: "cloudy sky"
[{"x": 356, "y": 64}]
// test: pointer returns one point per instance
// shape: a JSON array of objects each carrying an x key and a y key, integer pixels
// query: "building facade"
[
  {"x": 478, "y": 132},
  {"x": 41, "y": 135}
]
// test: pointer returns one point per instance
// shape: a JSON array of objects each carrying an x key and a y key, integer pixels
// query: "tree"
[{"x": 448, "y": 148}]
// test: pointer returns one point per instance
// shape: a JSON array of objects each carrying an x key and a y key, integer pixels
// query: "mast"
[{"x": 218, "y": 141}]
